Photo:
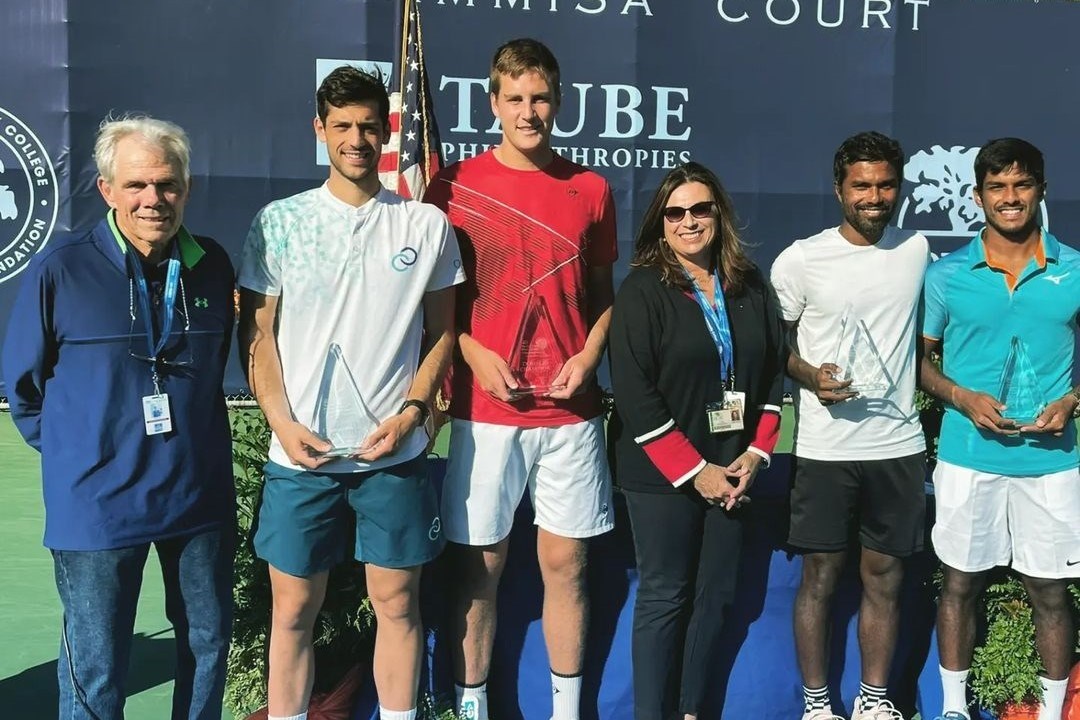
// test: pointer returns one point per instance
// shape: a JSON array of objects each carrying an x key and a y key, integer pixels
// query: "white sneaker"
[
  {"x": 884, "y": 710},
  {"x": 820, "y": 714},
  {"x": 473, "y": 708}
]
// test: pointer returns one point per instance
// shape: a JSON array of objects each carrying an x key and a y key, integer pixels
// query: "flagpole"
[
  {"x": 422, "y": 92},
  {"x": 406, "y": 8}
]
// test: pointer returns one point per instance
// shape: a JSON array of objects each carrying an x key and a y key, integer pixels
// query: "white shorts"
[
  {"x": 985, "y": 520},
  {"x": 489, "y": 466}
]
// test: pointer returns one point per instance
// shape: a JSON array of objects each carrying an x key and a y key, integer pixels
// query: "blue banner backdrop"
[{"x": 762, "y": 91}]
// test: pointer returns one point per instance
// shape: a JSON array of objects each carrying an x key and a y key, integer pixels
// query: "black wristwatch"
[{"x": 419, "y": 405}]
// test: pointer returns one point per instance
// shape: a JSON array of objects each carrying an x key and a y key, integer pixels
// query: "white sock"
[
  {"x": 385, "y": 714},
  {"x": 565, "y": 696},
  {"x": 471, "y": 702},
  {"x": 954, "y": 689},
  {"x": 1053, "y": 698},
  {"x": 301, "y": 716}
]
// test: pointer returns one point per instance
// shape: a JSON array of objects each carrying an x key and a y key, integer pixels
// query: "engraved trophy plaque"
[
  {"x": 341, "y": 415},
  {"x": 1019, "y": 390},
  {"x": 537, "y": 355},
  {"x": 858, "y": 358}
]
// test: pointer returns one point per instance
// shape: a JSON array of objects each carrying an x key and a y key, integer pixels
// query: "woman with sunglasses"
[{"x": 697, "y": 355}]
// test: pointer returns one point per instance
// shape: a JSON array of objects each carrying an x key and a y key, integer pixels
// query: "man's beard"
[{"x": 867, "y": 227}]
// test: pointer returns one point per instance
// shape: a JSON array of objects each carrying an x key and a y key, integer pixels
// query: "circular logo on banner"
[{"x": 28, "y": 195}]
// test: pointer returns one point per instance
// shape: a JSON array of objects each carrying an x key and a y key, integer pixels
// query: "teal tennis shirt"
[{"x": 975, "y": 309}]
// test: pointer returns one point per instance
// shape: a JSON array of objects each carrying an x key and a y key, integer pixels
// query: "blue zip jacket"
[{"x": 76, "y": 393}]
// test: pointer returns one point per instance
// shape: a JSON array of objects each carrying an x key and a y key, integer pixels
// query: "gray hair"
[{"x": 168, "y": 136}]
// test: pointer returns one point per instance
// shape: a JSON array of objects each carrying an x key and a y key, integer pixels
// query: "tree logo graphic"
[
  {"x": 941, "y": 203},
  {"x": 28, "y": 195}
]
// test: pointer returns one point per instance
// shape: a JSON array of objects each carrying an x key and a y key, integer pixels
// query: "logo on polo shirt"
[
  {"x": 201, "y": 302},
  {"x": 405, "y": 259},
  {"x": 1056, "y": 279},
  {"x": 938, "y": 195},
  {"x": 28, "y": 195}
]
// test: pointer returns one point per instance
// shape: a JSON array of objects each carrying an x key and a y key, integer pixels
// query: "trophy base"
[
  {"x": 527, "y": 390},
  {"x": 1022, "y": 419},
  {"x": 871, "y": 389},
  {"x": 342, "y": 452}
]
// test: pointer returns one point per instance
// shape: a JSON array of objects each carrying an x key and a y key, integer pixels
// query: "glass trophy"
[
  {"x": 858, "y": 358},
  {"x": 537, "y": 355},
  {"x": 1019, "y": 390},
  {"x": 341, "y": 415}
]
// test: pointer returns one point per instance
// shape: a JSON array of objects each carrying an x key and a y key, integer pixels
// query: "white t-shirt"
[
  {"x": 354, "y": 277},
  {"x": 821, "y": 279}
]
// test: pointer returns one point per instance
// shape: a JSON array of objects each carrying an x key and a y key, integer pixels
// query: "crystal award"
[
  {"x": 858, "y": 358},
  {"x": 1019, "y": 389},
  {"x": 537, "y": 355},
  {"x": 341, "y": 415}
]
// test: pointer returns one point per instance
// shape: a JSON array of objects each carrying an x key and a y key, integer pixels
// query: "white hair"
[{"x": 168, "y": 136}]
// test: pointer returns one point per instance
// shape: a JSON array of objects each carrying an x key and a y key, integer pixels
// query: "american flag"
[{"x": 412, "y": 155}]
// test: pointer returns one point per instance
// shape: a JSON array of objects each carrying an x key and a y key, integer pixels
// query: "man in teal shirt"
[{"x": 1002, "y": 311}]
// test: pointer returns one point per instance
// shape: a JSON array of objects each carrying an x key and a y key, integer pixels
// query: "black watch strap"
[{"x": 419, "y": 405}]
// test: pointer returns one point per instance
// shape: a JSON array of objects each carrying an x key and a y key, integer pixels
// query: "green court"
[{"x": 30, "y": 610}]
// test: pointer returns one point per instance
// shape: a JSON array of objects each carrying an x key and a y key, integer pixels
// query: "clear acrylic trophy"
[
  {"x": 858, "y": 358},
  {"x": 1019, "y": 391},
  {"x": 341, "y": 415},
  {"x": 537, "y": 355}
]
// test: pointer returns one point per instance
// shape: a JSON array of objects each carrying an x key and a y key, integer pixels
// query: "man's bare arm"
[
  {"x": 439, "y": 344},
  {"x": 579, "y": 369},
  {"x": 437, "y": 353},
  {"x": 981, "y": 408},
  {"x": 257, "y": 345}
]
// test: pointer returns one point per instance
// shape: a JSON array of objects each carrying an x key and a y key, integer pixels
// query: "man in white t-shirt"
[
  {"x": 346, "y": 308},
  {"x": 850, "y": 297}
]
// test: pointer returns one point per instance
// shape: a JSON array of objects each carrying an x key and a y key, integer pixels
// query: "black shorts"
[{"x": 884, "y": 499}]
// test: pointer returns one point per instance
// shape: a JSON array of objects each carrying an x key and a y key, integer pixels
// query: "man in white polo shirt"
[
  {"x": 346, "y": 308},
  {"x": 850, "y": 295}
]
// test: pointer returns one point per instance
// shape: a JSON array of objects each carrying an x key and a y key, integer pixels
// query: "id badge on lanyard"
[
  {"x": 729, "y": 414},
  {"x": 157, "y": 415}
]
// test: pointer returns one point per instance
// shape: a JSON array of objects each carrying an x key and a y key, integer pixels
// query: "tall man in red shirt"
[{"x": 537, "y": 234}]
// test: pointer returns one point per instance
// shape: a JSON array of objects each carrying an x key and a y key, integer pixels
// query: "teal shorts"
[{"x": 305, "y": 518}]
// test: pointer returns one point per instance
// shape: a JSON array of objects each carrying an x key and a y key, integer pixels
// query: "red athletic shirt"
[{"x": 526, "y": 236}]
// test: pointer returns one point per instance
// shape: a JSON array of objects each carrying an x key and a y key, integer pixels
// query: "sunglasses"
[{"x": 701, "y": 210}]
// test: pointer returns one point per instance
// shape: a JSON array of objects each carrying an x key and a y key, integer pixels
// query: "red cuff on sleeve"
[
  {"x": 673, "y": 455},
  {"x": 767, "y": 433}
]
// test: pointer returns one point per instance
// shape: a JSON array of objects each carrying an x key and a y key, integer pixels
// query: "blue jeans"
[{"x": 100, "y": 591}]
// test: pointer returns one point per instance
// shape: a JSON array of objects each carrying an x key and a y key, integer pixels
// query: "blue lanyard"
[
  {"x": 168, "y": 301},
  {"x": 716, "y": 320}
]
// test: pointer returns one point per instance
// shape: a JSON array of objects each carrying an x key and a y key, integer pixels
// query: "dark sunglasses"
[{"x": 701, "y": 210}]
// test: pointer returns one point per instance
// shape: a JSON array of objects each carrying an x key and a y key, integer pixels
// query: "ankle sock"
[
  {"x": 872, "y": 695},
  {"x": 1053, "y": 698},
  {"x": 385, "y": 714},
  {"x": 470, "y": 701},
  {"x": 565, "y": 696},
  {"x": 954, "y": 690},
  {"x": 815, "y": 698}
]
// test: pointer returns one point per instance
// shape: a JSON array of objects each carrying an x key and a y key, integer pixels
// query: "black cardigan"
[{"x": 665, "y": 367}]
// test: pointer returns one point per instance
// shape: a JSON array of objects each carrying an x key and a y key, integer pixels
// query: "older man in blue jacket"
[{"x": 113, "y": 363}]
